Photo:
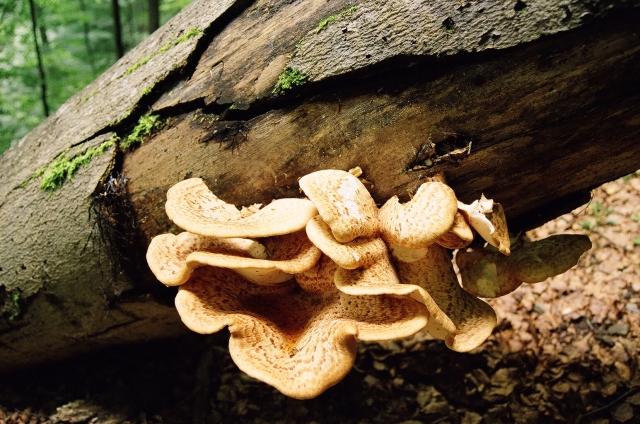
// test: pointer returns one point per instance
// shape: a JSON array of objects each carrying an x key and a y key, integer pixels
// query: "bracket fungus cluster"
[{"x": 299, "y": 281}]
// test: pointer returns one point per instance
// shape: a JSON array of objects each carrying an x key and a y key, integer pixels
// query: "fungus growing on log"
[
  {"x": 299, "y": 281},
  {"x": 343, "y": 203},
  {"x": 488, "y": 219},
  {"x": 299, "y": 342},
  {"x": 487, "y": 273},
  {"x": 192, "y": 207}
]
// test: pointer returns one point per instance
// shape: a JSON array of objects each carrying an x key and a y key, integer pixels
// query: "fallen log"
[{"x": 531, "y": 103}]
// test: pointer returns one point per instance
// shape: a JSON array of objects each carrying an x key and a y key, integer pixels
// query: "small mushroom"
[
  {"x": 193, "y": 207},
  {"x": 487, "y": 273},
  {"x": 343, "y": 202},
  {"x": 353, "y": 254},
  {"x": 290, "y": 254},
  {"x": 488, "y": 219},
  {"x": 299, "y": 342},
  {"x": 421, "y": 221},
  {"x": 459, "y": 235},
  {"x": 474, "y": 319}
]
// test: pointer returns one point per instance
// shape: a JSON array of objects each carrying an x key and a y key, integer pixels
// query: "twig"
[{"x": 628, "y": 393}]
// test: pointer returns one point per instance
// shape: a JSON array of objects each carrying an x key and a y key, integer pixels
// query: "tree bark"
[{"x": 533, "y": 107}]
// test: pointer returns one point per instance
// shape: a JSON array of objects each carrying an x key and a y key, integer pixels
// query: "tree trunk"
[
  {"x": 532, "y": 105},
  {"x": 154, "y": 15},
  {"x": 117, "y": 28},
  {"x": 43, "y": 79}
]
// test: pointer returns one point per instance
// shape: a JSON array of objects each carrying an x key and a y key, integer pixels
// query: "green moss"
[
  {"x": 138, "y": 64},
  {"x": 209, "y": 118},
  {"x": 143, "y": 128},
  {"x": 15, "y": 298},
  {"x": 146, "y": 91},
  {"x": 288, "y": 79},
  {"x": 233, "y": 107},
  {"x": 88, "y": 96},
  {"x": 64, "y": 168},
  {"x": 325, "y": 23},
  {"x": 193, "y": 32}
]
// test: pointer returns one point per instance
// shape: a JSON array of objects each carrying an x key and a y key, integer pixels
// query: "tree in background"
[{"x": 76, "y": 45}]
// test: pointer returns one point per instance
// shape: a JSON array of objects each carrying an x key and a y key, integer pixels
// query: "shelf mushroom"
[
  {"x": 343, "y": 202},
  {"x": 299, "y": 281},
  {"x": 487, "y": 273},
  {"x": 173, "y": 258},
  {"x": 487, "y": 218},
  {"x": 300, "y": 342},
  {"x": 193, "y": 207}
]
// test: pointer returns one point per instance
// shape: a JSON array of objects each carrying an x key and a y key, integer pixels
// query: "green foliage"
[
  {"x": 599, "y": 216},
  {"x": 76, "y": 40},
  {"x": 288, "y": 79},
  {"x": 325, "y": 23},
  {"x": 146, "y": 124}
]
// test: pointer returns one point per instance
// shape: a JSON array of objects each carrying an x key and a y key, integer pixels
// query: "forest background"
[{"x": 51, "y": 49}]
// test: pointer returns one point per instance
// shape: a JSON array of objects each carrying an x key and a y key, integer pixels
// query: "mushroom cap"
[
  {"x": 290, "y": 254},
  {"x": 343, "y": 202},
  {"x": 488, "y": 219},
  {"x": 539, "y": 260},
  {"x": 381, "y": 278},
  {"x": 487, "y": 273},
  {"x": 474, "y": 319},
  {"x": 167, "y": 254},
  {"x": 421, "y": 221},
  {"x": 353, "y": 254},
  {"x": 173, "y": 258},
  {"x": 459, "y": 235},
  {"x": 193, "y": 207},
  {"x": 301, "y": 343}
]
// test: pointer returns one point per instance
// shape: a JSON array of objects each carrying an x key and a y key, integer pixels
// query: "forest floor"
[{"x": 565, "y": 350}]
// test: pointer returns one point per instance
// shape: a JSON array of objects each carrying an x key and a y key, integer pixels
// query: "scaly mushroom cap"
[
  {"x": 486, "y": 273},
  {"x": 488, "y": 219},
  {"x": 474, "y": 319},
  {"x": 421, "y": 221},
  {"x": 175, "y": 257},
  {"x": 459, "y": 235},
  {"x": 167, "y": 254},
  {"x": 301, "y": 343},
  {"x": 381, "y": 278},
  {"x": 193, "y": 207},
  {"x": 353, "y": 254},
  {"x": 343, "y": 202}
]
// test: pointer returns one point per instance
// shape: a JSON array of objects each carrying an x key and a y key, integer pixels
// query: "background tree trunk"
[
  {"x": 117, "y": 28},
  {"x": 154, "y": 15},
  {"x": 43, "y": 79},
  {"x": 533, "y": 105}
]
